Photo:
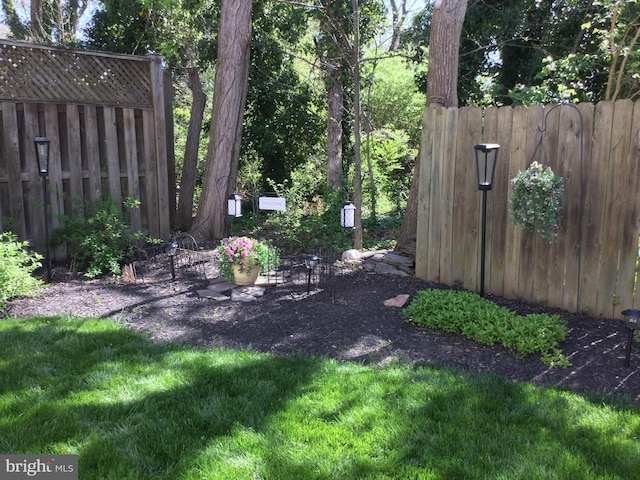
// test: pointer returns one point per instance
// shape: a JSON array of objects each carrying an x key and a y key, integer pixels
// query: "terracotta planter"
[{"x": 246, "y": 277}]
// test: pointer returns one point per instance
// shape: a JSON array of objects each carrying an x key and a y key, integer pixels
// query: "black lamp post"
[
  {"x": 633, "y": 324},
  {"x": 172, "y": 248},
  {"x": 486, "y": 159},
  {"x": 310, "y": 261},
  {"x": 42, "y": 155}
]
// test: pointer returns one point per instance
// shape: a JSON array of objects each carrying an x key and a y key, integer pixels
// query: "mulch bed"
[{"x": 344, "y": 318}]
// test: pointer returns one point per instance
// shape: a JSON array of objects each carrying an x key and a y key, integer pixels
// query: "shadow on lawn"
[{"x": 134, "y": 409}]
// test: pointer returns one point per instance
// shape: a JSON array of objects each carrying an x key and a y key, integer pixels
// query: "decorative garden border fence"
[
  {"x": 108, "y": 118},
  {"x": 592, "y": 264}
]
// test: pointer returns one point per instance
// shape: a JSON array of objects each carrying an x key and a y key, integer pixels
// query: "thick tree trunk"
[
  {"x": 444, "y": 46},
  {"x": 190, "y": 162},
  {"x": 442, "y": 80},
  {"x": 230, "y": 94}
]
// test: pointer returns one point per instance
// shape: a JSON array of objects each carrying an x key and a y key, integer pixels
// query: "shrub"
[
  {"x": 104, "y": 239},
  {"x": 479, "y": 319},
  {"x": 16, "y": 267}
]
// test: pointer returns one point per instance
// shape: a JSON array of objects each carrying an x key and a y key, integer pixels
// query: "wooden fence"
[
  {"x": 108, "y": 118},
  {"x": 592, "y": 264}
]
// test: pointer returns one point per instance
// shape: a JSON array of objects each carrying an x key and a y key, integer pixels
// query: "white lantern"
[
  {"x": 348, "y": 215},
  {"x": 234, "y": 205}
]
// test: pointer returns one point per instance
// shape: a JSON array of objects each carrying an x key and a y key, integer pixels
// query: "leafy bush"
[
  {"x": 104, "y": 238},
  {"x": 16, "y": 266},
  {"x": 483, "y": 321}
]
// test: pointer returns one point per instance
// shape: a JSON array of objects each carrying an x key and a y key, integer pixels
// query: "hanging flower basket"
[{"x": 535, "y": 203}]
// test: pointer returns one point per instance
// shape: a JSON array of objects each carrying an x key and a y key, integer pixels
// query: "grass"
[{"x": 133, "y": 409}]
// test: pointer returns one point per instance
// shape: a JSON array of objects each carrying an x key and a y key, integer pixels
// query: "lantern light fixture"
[
  {"x": 347, "y": 215},
  {"x": 234, "y": 205},
  {"x": 310, "y": 261},
  {"x": 42, "y": 154},
  {"x": 171, "y": 248},
  {"x": 632, "y": 324},
  {"x": 486, "y": 158}
]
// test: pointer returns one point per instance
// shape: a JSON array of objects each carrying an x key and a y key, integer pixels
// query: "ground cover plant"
[
  {"x": 132, "y": 408},
  {"x": 482, "y": 320}
]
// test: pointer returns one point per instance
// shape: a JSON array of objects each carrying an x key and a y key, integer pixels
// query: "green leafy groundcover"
[{"x": 482, "y": 320}]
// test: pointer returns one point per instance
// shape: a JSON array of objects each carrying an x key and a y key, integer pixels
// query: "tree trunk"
[
  {"x": 357, "y": 181},
  {"x": 442, "y": 80},
  {"x": 190, "y": 163},
  {"x": 230, "y": 95},
  {"x": 335, "y": 107}
]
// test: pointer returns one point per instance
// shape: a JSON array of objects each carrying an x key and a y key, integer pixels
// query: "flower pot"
[{"x": 245, "y": 277}]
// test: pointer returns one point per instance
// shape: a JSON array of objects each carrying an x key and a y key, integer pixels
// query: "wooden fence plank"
[
  {"x": 513, "y": 236},
  {"x": 490, "y": 135},
  {"x": 435, "y": 207},
  {"x": 151, "y": 177},
  {"x": 500, "y": 204},
  {"x": 74, "y": 143},
  {"x": 424, "y": 194},
  {"x": 131, "y": 156},
  {"x": 549, "y": 279},
  {"x": 161, "y": 149},
  {"x": 112, "y": 153},
  {"x": 632, "y": 232},
  {"x": 36, "y": 213},
  {"x": 614, "y": 206},
  {"x": 626, "y": 214},
  {"x": 569, "y": 150},
  {"x": 56, "y": 190},
  {"x": 472, "y": 207},
  {"x": 92, "y": 142},
  {"x": 597, "y": 168},
  {"x": 11, "y": 153},
  {"x": 448, "y": 189},
  {"x": 627, "y": 269},
  {"x": 526, "y": 277},
  {"x": 462, "y": 191}
]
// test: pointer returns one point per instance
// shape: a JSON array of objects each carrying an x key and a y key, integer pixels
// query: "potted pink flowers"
[{"x": 240, "y": 259}]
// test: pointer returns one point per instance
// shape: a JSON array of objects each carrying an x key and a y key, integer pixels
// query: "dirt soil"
[{"x": 343, "y": 317}]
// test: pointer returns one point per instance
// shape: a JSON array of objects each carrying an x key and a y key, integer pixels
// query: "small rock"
[
  {"x": 398, "y": 260},
  {"x": 351, "y": 255},
  {"x": 252, "y": 290},
  {"x": 212, "y": 295},
  {"x": 397, "y": 301},
  {"x": 386, "y": 268},
  {"x": 221, "y": 286},
  {"x": 238, "y": 296}
]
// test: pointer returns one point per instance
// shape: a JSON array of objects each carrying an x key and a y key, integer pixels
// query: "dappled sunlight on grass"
[{"x": 132, "y": 408}]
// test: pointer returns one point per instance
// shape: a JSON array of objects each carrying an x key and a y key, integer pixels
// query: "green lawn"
[{"x": 133, "y": 409}]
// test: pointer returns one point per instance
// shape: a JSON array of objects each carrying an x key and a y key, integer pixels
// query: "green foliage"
[
  {"x": 483, "y": 321},
  {"x": 245, "y": 253},
  {"x": 535, "y": 202},
  {"x": 16, "y": 266},
  {"x": 103, "y": 238}
]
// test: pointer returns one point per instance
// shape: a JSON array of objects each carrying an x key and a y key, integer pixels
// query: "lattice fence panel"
[{"x": 31, "y": 73}]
